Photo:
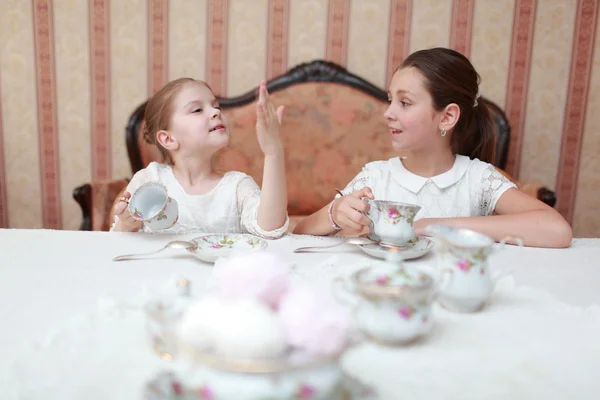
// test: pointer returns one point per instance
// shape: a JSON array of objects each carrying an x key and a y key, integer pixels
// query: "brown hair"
[
  {"x": 159, "y": 111},
  {"x": 451, "y": 78}
]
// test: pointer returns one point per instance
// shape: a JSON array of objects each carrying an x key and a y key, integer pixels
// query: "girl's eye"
[
  {"x": 404, "y": 104},
  {"x": 218, "y": 106},
  {"x": 197, "y": 110},
  {"x": 389, "y": 100}
]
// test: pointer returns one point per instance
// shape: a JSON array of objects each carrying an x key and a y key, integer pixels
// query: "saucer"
[
  {"x": 211, "y": 247},
  {"x": 421, "y": 247}
]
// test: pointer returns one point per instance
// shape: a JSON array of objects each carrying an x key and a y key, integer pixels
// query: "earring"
[{"x": 443, "y": 133}]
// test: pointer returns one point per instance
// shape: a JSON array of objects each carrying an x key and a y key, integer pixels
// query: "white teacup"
[
  {"x": 392, "y": 304},
  {"x": 466, "y": 282},
  {"x": 392, "y": 222},
  {"x": 152, "y": 205}
]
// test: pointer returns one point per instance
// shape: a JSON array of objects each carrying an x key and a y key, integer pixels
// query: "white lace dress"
[
  {"x": 230, "y": 207},
  {"x": 470, "y": 188}
]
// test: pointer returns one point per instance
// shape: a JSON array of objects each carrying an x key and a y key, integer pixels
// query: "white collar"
[{"x": 415, "y": 183}]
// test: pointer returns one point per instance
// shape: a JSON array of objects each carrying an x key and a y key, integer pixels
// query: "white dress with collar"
[
  {"x": 470, "y": 188},
  {"x": 230, "y": 207}
]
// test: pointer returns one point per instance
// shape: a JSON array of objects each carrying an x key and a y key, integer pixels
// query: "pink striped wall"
[
  {"x": 4, "y": 223},
  {"x": 100, "y": 89},
  {"x": 575, "y": 112},
  {"x": 337, "y": 31},
  {"x": 462, "y": 26},
  {"x": 216, "y": 57},
  {"x": 399, "y": 35},
  {"x": 518, "y": 78},
  {"x": 277, "y": 37},
  {"x": 43, "y": 25},
  {"x": 158, "y": 12},
  {"x": 151, "y": 35}
]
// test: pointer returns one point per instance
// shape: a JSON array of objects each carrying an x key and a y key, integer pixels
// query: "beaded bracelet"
[{"x": 335, "y": 226}]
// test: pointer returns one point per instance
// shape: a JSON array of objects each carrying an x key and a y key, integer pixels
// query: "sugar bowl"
[{"x": 392, "y": 302}]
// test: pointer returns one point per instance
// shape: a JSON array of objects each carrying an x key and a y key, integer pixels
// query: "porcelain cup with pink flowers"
[
  {"x": 152, "y": 205},
  {"x": 392, "y": 303},
  {"x": 465, "y": 280},
  {"x": 392, "y": 222},
  {"x": 259, "y": 335}
]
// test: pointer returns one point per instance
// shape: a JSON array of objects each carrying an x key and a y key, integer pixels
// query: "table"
[{"x": 53, "y": 280}]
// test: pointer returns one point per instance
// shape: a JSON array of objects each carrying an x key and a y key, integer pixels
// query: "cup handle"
[
  {"x": 343, "y": 292},
  {"x": 372, "y": 213},
  {"x": 506, "y": 239}
]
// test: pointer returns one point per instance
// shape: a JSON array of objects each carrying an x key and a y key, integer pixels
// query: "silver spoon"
[
  {"x": 359, "y": 240},
  {"x": 350, "y": 240},
  {"x": 175, "y": 244}
]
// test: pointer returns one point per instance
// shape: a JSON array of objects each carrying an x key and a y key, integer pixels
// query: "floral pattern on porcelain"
[
  {"x": 466, "y": 261},
  {"x": 406, "y": 311},
  {"x": 306, "y": 392},
  {"x": 399, "y": 276},
  {"x": 161, "y": 215},
  {"x": 394, "y": 216},
  {"x": 206, "y": 393},
  {"x": 230, "y": 241}
]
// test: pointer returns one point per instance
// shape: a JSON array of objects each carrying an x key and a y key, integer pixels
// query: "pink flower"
[
  {"x": 393, "y": 213},
  {"x": 215, "y": 245},
  {"x": 306, "y": 392},
  {"x": 205, "y": 393},
  {"x": 405, "y": 312},
  {"x": 260, "y": 275},
  {"x": 463, "y": 264},
  {"x": 313, "y": 321},
  {"x": 382, "y": 280}
]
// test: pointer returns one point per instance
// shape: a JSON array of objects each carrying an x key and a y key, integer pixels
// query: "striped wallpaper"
[{"x": 71, "y": 71}]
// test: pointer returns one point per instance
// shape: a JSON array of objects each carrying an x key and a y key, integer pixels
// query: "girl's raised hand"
[{"x": 268, "y": 122}]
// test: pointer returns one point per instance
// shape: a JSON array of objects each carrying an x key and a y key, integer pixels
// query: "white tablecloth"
[{"x": 70, "y": 329}]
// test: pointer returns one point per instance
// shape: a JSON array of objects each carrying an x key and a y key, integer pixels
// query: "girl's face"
[
  {"x": 197, "y": 124},
  {"x": 413, "y": 122}
]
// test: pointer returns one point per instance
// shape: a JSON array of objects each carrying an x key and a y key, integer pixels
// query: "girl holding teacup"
[
  {"x": 185, "y": 122},
  {"x": 434, "y": 119}
]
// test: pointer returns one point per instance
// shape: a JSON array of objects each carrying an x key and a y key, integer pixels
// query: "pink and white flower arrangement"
[
  {"x": 260, "y": 275},
  {"x": 256, "y": 311}
]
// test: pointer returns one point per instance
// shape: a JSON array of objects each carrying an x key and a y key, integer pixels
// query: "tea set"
[{"x": 392, "y": 301}]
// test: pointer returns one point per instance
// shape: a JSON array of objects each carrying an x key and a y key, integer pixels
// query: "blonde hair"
[{"x": 159, "y": 112}]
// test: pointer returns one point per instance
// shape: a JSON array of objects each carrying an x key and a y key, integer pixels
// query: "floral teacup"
[
  {"x": 392, "y": 222},
  {"x": 152, "y": 205},
  {"x": 465, "y": 279},
  {"x": 393, "y": 305}
]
